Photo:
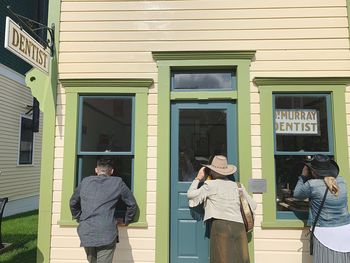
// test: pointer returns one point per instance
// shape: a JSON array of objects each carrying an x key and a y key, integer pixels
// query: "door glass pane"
[
  {"x": 106, "y": 124},
  {"x": 202, "y": 134},
  {"x": 204, "y": 80},
  {"x": 301, "y": 123}
]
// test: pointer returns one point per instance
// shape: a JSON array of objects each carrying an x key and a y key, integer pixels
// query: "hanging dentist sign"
[
  {"x": 297, "y": 121},
  {"x": 26, "y": 47}
]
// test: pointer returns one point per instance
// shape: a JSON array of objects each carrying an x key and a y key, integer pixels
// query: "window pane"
[
  {"x": 301, "y": 123},
  {"x": 288, "y": 169},
  {"x": 122, "y": 168},
  {"x": 106, "y": 124},
  {"x": 202, "y": 134},
  {"x": 203, "y": 80},
  {"x": 26, "y": 142}
]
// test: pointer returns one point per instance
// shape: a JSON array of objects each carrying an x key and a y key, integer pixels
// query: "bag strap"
[
  {"x": 315, "y": 221},
  {"x": 240, "y": 190}
]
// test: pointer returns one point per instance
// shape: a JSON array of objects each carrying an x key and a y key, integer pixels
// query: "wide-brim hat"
[
  {"x": 220, "y": 165},
  {"x": 323, "y": 166}
]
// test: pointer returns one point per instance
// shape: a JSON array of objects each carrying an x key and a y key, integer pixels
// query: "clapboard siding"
[
  {"x": 16, "y": 181},
  {"x": 268, "y": 44},
  {"x": 204, "y": 35},
  {"x": 92, "y": 5},
  {"x": 285, "y": 257},
  {"x": 114, "y": 39},
  {"x": 141, "y": 57},
  {"x": 228, "y": 24},
  {"x": 135, "y": 27},
  {"x": 183, "y": 15},
  {"x": 258, "y": 66}
]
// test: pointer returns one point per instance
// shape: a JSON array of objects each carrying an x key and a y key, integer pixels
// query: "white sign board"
[
  {"x": 26, "y": 47},
  {"x": 296, "y": 122}
]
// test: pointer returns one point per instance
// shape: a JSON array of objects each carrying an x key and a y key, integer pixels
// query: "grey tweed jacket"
[{"x": 93, "y": 206}]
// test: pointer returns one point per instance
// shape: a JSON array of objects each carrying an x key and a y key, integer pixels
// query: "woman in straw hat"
[
  {"x": 228, "y": 238},
  {"x": 330, "y": 238}
]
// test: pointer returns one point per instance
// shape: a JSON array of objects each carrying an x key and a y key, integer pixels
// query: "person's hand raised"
[{"x": 200, "y": 176}]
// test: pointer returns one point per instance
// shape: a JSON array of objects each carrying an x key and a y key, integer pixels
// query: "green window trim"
[
  {"x": 200, "y": 95},
  {"x": 267, "y": 86},
  {"x": 166, "y": 61},
  {"x": 74, "y": 88}
]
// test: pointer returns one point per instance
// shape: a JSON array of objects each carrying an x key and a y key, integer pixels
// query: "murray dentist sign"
[{"x": 297, "y": 122}]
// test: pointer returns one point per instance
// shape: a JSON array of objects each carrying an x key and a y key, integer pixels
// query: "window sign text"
[{"x": 294, "y": 122}]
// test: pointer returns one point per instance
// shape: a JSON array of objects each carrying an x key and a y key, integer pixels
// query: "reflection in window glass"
[
  {"x": 202, "y": 134},
  {"x": 301, "y": 123},
  {"x": 106, "y": 124},
  {"x": 26, "y": 142},
  {"x": 204, "y": 80}
]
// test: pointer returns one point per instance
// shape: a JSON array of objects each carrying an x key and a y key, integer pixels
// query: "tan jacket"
[{"x": 220, "y": 198}]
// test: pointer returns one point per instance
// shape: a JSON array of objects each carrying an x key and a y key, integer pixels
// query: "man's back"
[{"x": 93, "y": 204}]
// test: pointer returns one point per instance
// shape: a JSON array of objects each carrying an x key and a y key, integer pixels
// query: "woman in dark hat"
[
  {"x": 228, "y": 238},
  {"x": 331, "y": 224}
]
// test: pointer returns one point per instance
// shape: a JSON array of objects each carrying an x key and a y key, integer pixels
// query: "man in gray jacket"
[{"x": 93, "y": 206}]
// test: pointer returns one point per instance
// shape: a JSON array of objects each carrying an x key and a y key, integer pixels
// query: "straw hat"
[{"x": 220, "y": 166}]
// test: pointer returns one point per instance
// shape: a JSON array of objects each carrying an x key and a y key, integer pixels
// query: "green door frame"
[
  {"x": 178, "y": 190},
  {"x": 187, "y": 60}
]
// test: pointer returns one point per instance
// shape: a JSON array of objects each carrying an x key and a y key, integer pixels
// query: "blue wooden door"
[{"x": 198, "y": 132}]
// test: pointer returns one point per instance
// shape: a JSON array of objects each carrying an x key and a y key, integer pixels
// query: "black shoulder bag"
[{"x": 315, "y": 221}]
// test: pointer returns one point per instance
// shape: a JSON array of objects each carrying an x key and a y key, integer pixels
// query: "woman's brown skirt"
[{"x": 228, "y": 242}]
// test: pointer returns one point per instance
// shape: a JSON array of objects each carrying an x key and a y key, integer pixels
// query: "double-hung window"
[
  {"x": 106, "y": 118},
  {"x": 106, "y": 128},
  {"x": 302, "y": 128},
  {"x": 299, "y": 117}
]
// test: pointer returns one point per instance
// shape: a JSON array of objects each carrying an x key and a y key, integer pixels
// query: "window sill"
[
  {"x": 73, "y": 223},
  {"x": 294, "y": 224}
]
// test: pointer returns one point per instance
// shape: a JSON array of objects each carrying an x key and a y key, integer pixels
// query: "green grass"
[{"x": 21, "y": 231}]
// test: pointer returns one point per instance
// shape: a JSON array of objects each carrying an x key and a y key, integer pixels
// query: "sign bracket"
[{"x": 28, "y": 24}]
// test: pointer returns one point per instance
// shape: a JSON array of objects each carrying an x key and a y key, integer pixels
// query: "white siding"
[
  {"x": 16, "y": 181},
  {"x": 114, "y": 39}
]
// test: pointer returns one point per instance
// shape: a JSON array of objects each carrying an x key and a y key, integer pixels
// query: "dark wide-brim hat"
[
  {"x": 220, "y": 165},
  {"x": 323, "y": 166}
]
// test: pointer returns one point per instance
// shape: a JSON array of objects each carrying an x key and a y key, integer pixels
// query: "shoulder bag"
[{"x": 246, "y": 211}]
